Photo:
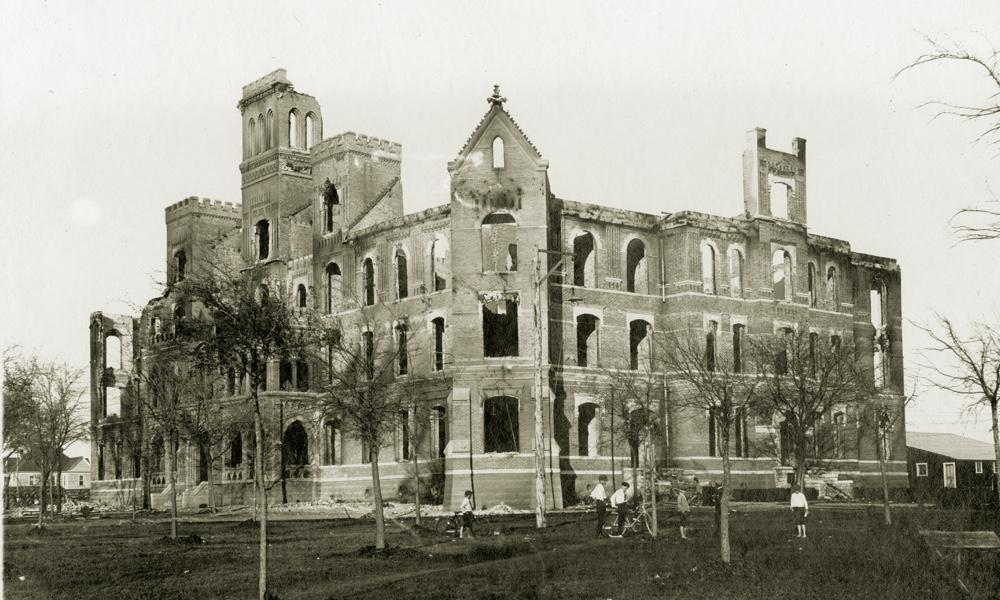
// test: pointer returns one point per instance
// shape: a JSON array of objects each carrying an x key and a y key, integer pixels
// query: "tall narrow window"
[
  {"x": 831, "y": 288},
  {"x": 708, "y": 268},
  {"x": 880, "y": 341},
  {"x": 333, "y": 287},
  {"x": 310, "y": 133},
  {"x": 500, "y": 424},
  {"x": 498, "y": 158},
  {"x": 403, "y": 434},
  {"x": 293, "y": 129},
  {"x": 738, "y": 330},
  {"x": 262, "y": 233},
  {"x": 713, "y": 431},
  {"x": 500, "y": 334},
  {"x": 781, "y": 195},
  {"x": 180, "y": 264},
  {"x": 587, "y": 429},
  {"x": 439, "y": 265},
  {"x": 813, "y": 342},
  {"x": 586, "y": 340},
  {"x": 736, "y": 273},
  {"x": 179, "y": 319},
  {"x": 300, "y": 296},
  {"x": 499, "y": 242},
  {"x": 368, "y": 353},
  {"x": 439, "y": 431},
  {"x": 402, "y": 281},
  {"x": 330, "y": 199},
  {"x": 252, "y": 136},
  {"x": 331, "y": 441},
  {"x": 639, "y": 342},
  {"x": 511, "y": 257},
  {"x": 584, "y": 261},
  {"x": 635, "y": 267},
  {"x": 741, "y": 435},
  {"x": 368, "y": 275},
  {"x": 261, "y": 134},
  {"x": 713, "y": 328},
  {"x": 811, "y": 284},
  {"x": 403, "y": 357},
  {"x": 269, "y": 135},
  {"x": 838, "y": 434},
  {"x": 788, "y": 338},
  {"x": 781, "y": 271},
  {"x": 302, "y": 375},
  {"x": 112, "y": 352},
  {"x": 295, "y": 445},
  {"x": 438, "y": 356}
]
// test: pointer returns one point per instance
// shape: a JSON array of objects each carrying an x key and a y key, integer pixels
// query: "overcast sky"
[{"x": 111, "y": 111}]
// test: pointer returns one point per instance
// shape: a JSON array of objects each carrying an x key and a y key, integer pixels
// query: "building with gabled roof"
[{"x": 325, "y": 215}]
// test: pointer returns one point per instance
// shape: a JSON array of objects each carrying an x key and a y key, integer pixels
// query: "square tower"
[{"x": 774, "y": 182}]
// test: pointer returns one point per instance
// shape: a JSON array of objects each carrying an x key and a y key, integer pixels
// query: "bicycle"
[
  {"x": 636, "y": 520},
  {"x": 449, "y": 525}
]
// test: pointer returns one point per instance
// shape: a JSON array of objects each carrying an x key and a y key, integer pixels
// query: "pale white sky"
[{"x": 113, "y": 110}]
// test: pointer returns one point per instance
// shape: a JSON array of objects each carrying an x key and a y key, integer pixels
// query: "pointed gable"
[{"x": 495, "y": 122}]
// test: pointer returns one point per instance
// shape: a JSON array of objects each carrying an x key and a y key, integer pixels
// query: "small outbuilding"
[{"x": 939, "y": 462}]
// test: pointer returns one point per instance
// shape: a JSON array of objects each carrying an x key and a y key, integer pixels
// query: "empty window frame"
[
  {"x": 832, "y": 294},
  {"x": 584, "y": 260},
  {"x": 741, "y": 435},
  {"x": 736, "y": 273},
  {"x": 331, "y": 441},
  {"x": 500, "y": 332},
  {"x": 262, "y": 236},
  {"x": 269, "y": 134},
  {"x": 301, "y": 297},
  {"x": 588, "y": 429},
  {"x": 179, "y": 319},
  {"x": 330, "y": 199},
  {"x": 636, "y": 276},
  {"x": 713, "y": 432},
  {"x": 587, "y": 335},
  {"x": 295, "y": 445},
  {"x": 440, "y": 273},
  {"x": 499, "y": 242},
  {"x": 500, "y": 424},
  {"x": 368, "y": 281},
  {"x": 252, "y": 136},
  {"x": 261, "y": 134},
  {"x": 784, "y": 354},
  {"x": 403, "y": 435},
  {"x": 402, "y": 277},
  {"x": 639, "y": 336},
  {"x": 437, "y": 355},
  {"x": 112, "y": 351},
  {"x": 368, "y": 354},
  {"x": 235, "y": 458},
  {"x": 310, "y": 131},
  {"x": 839, "y": 431},
  {"x": 738, "y": 332},
  {"x": 781, "y": 194},
  {"x": 439, "y": 431},
  {"x": 402, "y": 350},
  {"x": 180, "y": 265},
  {"x": 498, "y": 157},
  {"x": 334, "y": 290},
  {"x": 708, "y": 268},
  {"x": 811, "y": 284},
  {"x": 710, "y": 338},
  {"x": 293, "y": 129},
  {"x": 781, "y": 275}
]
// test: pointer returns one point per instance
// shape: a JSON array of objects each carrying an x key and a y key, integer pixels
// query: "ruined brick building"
[{"x": 325, "y": 214}]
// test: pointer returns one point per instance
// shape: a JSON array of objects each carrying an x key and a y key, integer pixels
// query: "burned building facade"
[{"x": 457, "y": 284}]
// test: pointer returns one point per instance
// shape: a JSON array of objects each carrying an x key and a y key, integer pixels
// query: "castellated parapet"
[
  {"x": 205, "y": 206},
  {"x": 351, "y": 141}
]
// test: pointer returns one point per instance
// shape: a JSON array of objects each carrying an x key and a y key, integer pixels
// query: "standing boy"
[
  {"x": 800, "y": 508},
  {"x": 683, "y": 508},
  {"x": 619, "y": 501},
  {"x": 467, "y": 516},
  {"x": 600, "y": 503}
]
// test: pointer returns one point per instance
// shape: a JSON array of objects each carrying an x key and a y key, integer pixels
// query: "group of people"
[{"x": 622, "y": 500}]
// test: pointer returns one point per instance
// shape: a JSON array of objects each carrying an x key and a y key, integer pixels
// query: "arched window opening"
[
  {"x": 402, "y": 351},
  {"x": 402, "y": 279},
  {"x": 740, "y": 434},
  {"x": 203, "y": 460},
  {"x": 839, "y": 421},
  {"x": 736, "y": 273},
  {"x": 112, "y": 401},
  {"x": 368, "y": 350},
  {"x": 500, "y": 335},
  {"x": 158, "y": 450},
  {"x": 713, "y": 432},
  {"x": 368, "y": 275},
  {"x": 738, "y": 331},
  {"x": 330, "y": 199},
  {"x": 584, "y": 261},
  {"x": 310, "y": 133},
  {"x": 262, "y": 235},
  {"x": 639, "y": 343},
  {"x": 831, "y": 287},
  {"x": 587, "y": 347},
  {"x": 811, "y": 285},
  {"x": 781, "y": 271},
  {"x": 403, "y": 434},
  {"x": 636, "y": 277},
  {"x": 333, "y": 287},
  {"x": 708, "y": 269},
  {"x": 285, "y": 377},
  {"x": 295, "y": 445},
  {"x": 235, "y": 451},
  {"x": 180, "y": 265},
  {"x": 880, "y": 340},
  {"x": 178, "y": 319},
  {"x": 301, "y": 375},
  {"x": 269, "y": 135},
  {"x": 710, "y": 335},
  {"x": 261, "y": 134},
  {"x": 781, "y": 360},
  {"x": 439, "y": 431},
  {"x": 588, "y": 429},
  {"x": 499, "y": 242},
  {"x": 293, "y": 129},
  {"x": 301, "y": 298},
  {"x": 438, "y": 355},
  {"x": 781, "y": 195},
  {"x": 498, "y": 158},
  {"x": 252, "y": 136},
  {"x": 500, "y": 424},
  {"x": 440, "y": 273},
  {"x": 112, "y": 352},
  {"x": 331, "y": 441}
]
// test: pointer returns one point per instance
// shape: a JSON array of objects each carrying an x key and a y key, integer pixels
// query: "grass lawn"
[{"x": 848, "y": 555}]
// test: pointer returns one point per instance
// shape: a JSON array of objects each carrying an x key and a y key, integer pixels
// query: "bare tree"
[
  {"x": 969, "y": 365},
  {"x": 803, "y": 376},
  {"x": 19, "y": 375},
  {"x": 719, "y": 386}
]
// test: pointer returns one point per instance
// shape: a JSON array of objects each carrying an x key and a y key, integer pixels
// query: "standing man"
[
  {"x": 683, "y": 508},
  {"x": 800, "y": 508},
  {"x": 619, "y": 501},
  {"x": 600, "y": 502}
]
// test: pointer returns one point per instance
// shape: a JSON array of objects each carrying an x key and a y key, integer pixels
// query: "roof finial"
[{"x": 496, "y": 99}]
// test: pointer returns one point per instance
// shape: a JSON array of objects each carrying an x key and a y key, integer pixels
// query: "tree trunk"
[
  {"x": 416, "y": 477},
  {"x": 879, "y": 442},
  {"x": 59, "y": 489},
  {"x": 996, "y": 449},
  {"x": 800, "y": 464},
  {"x": 724, "y": 551},
  {"x": 651, "y": 487},
  {"x": 41, "y": 496},
  {"x": 377, "y": 497},
  {"x": 211, "y": 497},
  {"x": 284, "y": 469},
  {"x": 539, "y": 411},
  {"x": 262, "y": 500},
  {"x": 173, "y": 485}
]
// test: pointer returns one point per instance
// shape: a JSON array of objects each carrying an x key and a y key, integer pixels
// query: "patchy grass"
[{"x": 848, "y": 554}]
